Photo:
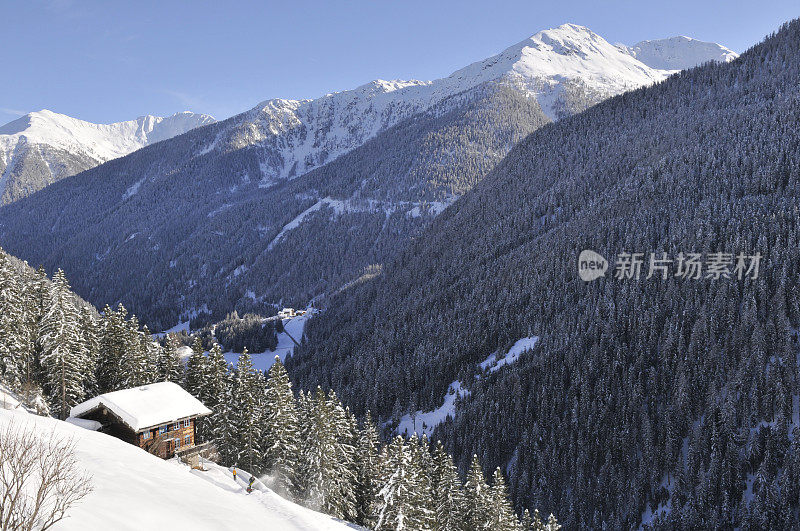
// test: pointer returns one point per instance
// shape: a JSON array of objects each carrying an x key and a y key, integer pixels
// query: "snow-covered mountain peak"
[
  {"x": 566, "y": 69},
  {"x": 99, "y": 141},
  {"x": 43, "y": 147},
  {"x": 678, "y": 53}
]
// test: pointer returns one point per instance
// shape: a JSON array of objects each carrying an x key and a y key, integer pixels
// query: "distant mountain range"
[
  {"x": 43, "y": 147},
  {"x": 295, "y": 199}
]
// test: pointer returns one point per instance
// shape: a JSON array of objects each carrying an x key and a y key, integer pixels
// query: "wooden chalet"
[{"x": 160, "y": 418}]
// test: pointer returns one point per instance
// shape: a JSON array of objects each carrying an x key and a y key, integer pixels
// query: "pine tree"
[
  {"x": 88, "y": 332},
  {"x": 422, "y": 513},
  {"x": 448, "y": 493},
  {"x": 328, "y": 455},
  {"x": 62, "y": 361},
  {"x": 367, "y": 473},
  {"x": 552, "y": 523},
  {"x": 13, "y": 329},
  {"x": 526, "y": 522},
  {"x": 213, "y": 393},
  {"x": 502, "y": 517},
  {"x": 169, "y": 364},
  {"x": 537, "y": 523},
  {"x": 280, "y": 429},
  {"x": 245, "y": 411},
  {"x": 477, "y": 497},
  {"x": 395, "y": 494},
  {"x": 196, "y": 370},
  {"x": 111, "y": 375}
]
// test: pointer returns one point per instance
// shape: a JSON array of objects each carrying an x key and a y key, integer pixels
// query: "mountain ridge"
[
  {"x": 42, "y": 147},
  {"x": 290, "y": 184}
]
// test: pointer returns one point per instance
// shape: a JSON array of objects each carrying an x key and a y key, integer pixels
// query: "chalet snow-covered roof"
[{"x": 146, "y": 406}]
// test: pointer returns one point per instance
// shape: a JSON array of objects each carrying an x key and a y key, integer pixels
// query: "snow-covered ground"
[
  {"x": 426, "y": 421},
  {"x": 263, "y": 360},
  {"x": 492, "y": 363},
  {"x": 135, "y": 490}
]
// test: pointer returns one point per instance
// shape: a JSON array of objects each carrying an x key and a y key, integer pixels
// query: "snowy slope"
[
  {"x": 678, "y": 53},
  {"x": 135, "y": 490},
  {"x": 43, "y": 147},
  {"x": 299, "y": 135},
  {"x": 292, "y": 331}
]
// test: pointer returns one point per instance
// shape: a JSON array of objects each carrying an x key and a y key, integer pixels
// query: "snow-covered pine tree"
[
  {"x": 552, "y": 523},
  {"x": 422, "y": 508},
  {"x": 14, "y": 344},
  {"x": 526, "y": 522},
  {"x": 62, "y": 361},
  {"x": 448, "y": 493},
  {"x": 169, "y": 364},
  {"x": 326, "y": 455},
  {"x": 341, "y": 500},
  {"x": 245, "y": 410},
  {"x": 113, "y": 350},
  {"x": 196, "y": 370},
  {"x": 152, "y": 352},
  {"x": 88, "y": 331},
  {"x": 367, "y": 473},
  {"x": 138, "y": 365},
  {"x": 537, "y": 524},
  {"x": 502, "y": 517},
  {"x": 213, "y": 393},
  {"x": 225, "y": 431},
  {"x": 395, "y": 506},
  {"x": 477, "y": 498},
  {"x": 280, "y": 429}
]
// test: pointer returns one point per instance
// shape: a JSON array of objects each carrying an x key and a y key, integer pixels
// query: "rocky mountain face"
[{"x": 43, "y": 147}]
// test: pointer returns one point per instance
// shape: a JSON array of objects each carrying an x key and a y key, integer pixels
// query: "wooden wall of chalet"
[{"x": 159, "y": 443}]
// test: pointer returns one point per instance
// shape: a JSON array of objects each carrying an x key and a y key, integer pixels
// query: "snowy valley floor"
[{"x": 135, "y": 490}]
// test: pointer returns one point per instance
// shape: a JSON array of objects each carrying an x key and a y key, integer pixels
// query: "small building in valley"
[
  {"x": 160, "y": 418},
  {"x": 286, "y": 313}
]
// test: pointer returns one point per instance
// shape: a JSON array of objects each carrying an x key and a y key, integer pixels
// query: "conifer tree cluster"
[
  {"x": 312, "y": 449},
  {"x": 56, "y": 350}
]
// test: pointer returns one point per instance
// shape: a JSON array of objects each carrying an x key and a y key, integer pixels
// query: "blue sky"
[{"x": 106, "y": 61}]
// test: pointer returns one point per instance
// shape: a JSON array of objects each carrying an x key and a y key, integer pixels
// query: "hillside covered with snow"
[
  {"x": 43, "y": 147},
  {"x": 678, "y": 53},
  {"x": 135, "y": 490}
]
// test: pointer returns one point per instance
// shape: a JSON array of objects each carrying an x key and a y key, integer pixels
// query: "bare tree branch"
[{"x": 40, "y": 478}]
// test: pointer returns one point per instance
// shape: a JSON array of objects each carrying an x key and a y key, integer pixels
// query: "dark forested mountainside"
[
  {"x": 671, "y": 395},
  {"x": 174, "y": 232}
]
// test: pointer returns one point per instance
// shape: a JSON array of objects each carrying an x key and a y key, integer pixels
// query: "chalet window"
[
  {"x": 163, "y": 429},
  {"x": 177, "y": 426},
  {"x": 177, "y": 443},
  {"x": 187, "y": 423},
  {"x": 146, "y": 435},
  {"x": 187, "y": 440}
]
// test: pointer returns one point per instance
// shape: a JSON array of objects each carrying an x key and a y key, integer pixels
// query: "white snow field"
[
  {"x": 424, "y": 422},
  {"x": 134, "y": 490},
  {"x": 263, "y": 360},
  {"x": 492, "y": 363}
]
